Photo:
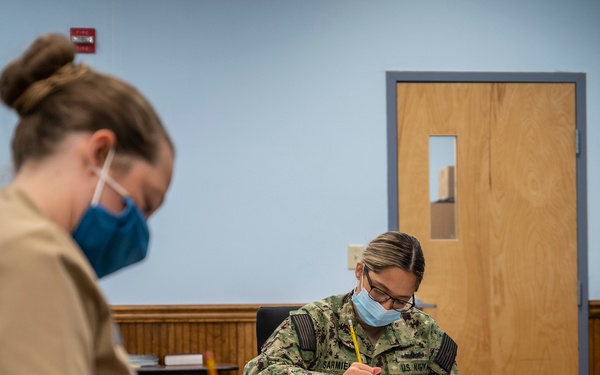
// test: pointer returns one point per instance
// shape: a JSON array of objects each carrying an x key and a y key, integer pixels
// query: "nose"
[{"x": 388, "y": 305}]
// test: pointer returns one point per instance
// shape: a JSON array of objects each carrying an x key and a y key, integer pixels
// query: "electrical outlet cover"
[{"x": 354, "y": 255}]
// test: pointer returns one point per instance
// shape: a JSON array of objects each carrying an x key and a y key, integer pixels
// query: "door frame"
[{"x": 579, "y": 79}]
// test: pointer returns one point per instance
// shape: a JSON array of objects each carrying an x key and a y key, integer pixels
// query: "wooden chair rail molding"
[
  {"x": 230, "y": 331},
  {"x": 187, "y": 313},
  {"x": 594, "y": 335}
]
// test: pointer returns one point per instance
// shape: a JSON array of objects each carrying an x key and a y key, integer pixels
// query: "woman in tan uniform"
[{"x": 92, "y": 162}]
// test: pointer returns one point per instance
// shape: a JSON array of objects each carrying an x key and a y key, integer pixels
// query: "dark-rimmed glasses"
[{"x": 380, "y": 296}]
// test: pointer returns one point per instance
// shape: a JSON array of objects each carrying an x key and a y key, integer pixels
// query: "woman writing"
[{"x": 391, "y": 336}]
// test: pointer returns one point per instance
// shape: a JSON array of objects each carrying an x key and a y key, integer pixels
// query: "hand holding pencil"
[{"x": 358, "y": 367}]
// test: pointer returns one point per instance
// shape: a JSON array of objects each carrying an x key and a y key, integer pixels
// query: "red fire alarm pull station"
[{"x": 84, "y": 39}]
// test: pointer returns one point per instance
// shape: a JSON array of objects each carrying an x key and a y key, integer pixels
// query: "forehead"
[{"x": 395, "y": 281}]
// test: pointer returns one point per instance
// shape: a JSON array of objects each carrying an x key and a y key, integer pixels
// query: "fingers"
[{"x": 362, "y": 369}]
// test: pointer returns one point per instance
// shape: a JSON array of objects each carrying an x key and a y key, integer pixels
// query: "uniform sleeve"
[
  {"x": 45, "y": 326},
  {"x": 282, "y": 354},
  {"x": 443, "y": 352}
]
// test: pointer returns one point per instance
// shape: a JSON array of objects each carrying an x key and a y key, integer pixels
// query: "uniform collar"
[
  {"x": 347, "y": 313},
  {"x": 397, "y": 334}
]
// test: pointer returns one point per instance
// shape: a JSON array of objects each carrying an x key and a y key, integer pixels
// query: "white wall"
[{"x": 277, "y": 110}]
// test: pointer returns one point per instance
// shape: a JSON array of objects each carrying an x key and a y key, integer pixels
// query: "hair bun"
[{"x": 44, "y": 57}]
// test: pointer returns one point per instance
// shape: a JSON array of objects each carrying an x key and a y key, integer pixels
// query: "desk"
[{"x": 184, "y": 370}]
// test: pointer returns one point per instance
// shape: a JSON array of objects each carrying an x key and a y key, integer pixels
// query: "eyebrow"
[{"x": 388, "y": 291}]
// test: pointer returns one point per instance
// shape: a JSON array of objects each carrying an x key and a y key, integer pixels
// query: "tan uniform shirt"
[{"x": 53, "y": 317}]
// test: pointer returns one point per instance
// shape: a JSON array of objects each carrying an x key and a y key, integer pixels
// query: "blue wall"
[{"x": 277, "y": 109}]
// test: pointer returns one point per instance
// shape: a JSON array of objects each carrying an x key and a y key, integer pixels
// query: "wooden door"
[{"x": 506, "y": 287}]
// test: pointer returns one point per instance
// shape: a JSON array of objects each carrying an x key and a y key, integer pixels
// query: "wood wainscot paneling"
[
  {"x": 227, "y": 330},
  {"x": 230, "y": 331},
  {"x": 594, "y": 335}
]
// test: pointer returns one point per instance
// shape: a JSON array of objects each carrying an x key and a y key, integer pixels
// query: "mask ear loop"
[
  {"x": 362, "y": 280},
  {"x": 103, "y": 175},
  {"x": 112, "y": 183}
]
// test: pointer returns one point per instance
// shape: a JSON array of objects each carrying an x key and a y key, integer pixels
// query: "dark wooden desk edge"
[{"x": 184, "y": 369}]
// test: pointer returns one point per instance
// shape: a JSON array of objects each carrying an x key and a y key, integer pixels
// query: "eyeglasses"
[{"x": 380, "y": 296}]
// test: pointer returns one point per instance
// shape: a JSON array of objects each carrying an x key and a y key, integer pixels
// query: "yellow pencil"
[
  {"x": 210, "y": 363},
  {"x": 354, "y": 341}
]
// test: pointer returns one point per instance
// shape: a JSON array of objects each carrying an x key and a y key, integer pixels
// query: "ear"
[
  {"x": 358, "y": 271},
  {"x": 98, "y": 145}
]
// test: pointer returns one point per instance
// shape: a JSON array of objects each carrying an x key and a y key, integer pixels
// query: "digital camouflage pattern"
[{"x": 408, "y": 346}]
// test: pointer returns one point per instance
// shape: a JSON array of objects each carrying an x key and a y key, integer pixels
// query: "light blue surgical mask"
[
  {"x": 370, "y": 311},
  {"x": 112, "y": 241}
]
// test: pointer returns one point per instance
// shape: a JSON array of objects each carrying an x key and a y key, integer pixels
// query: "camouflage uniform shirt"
[{"x": 316, "y": 339}]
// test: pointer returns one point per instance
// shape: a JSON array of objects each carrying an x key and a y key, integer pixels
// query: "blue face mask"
[
  {"x": 112, "y": 241},
  {"x": 370, "y": 311}
]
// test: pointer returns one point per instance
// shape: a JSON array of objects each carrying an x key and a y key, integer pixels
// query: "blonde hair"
[{"x": 395, "y": 249}]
